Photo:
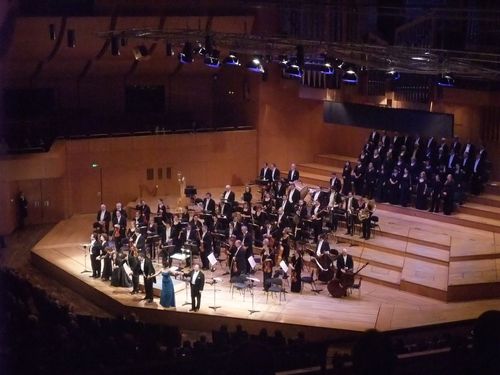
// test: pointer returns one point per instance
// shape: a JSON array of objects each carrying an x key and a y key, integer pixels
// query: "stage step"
[
  {"x": 319, "y": 169},
  {"x": 459, "y": 218},
  {"x": 486, "y": 199},
  {"x": 397, "y": 248},
  {"x": 314, "y": 179},
  {"x": 424, "y": 278},
  {"x": 379, "y": 275},
  {"x": 376, "y": 257},
  {"x": 334, "y": 160},
  {"x": 481, "y": 210}
]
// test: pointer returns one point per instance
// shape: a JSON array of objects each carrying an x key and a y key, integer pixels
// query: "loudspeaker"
[
  {"x": 52, "y": 31},
  {"x": 71, "y": 38},
  {"x": 141, "y": 53},
  {"x": 115, "y": 46}
]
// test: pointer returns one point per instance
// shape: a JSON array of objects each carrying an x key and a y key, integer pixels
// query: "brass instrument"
[{"x": 364, "y": 214}]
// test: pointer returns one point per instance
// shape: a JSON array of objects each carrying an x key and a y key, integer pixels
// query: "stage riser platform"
[{"x": 185, "y": 321}]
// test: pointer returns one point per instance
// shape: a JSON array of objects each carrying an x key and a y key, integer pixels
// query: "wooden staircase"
[{"x": 428, "y": 258}]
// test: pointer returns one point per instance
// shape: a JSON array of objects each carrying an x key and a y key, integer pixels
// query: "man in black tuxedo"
[
  {"x": 374, "y": 137},
  {"x": 265, "y": 172},
  {"x": 351, "y": 206},
  {"x": 323, "y": 245},
  {"x": 275, "y": 173},
  {"x": 104, "y": 218},
  {"x": 145, "y": 268},
  {"x": 227, "y": 202},
  {"x": 208, "y": 204},
  {"x": 190, "y": 235},
  {"x": 292, "y": 198},
  {"x": 206, "y": 247},
  {"x": 138, "y": 240},
  {"x": 144, "y": 210},
  {"x": 197, "y": 282},
  {"x": 335, "y": 182},
  {"x": 293, "y": 173},
  {"x": 247, "y": 241},
  {"x": 344, "y": 263}
]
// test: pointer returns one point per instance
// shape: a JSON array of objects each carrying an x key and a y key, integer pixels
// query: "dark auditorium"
[{"x": 250, "y": 187}]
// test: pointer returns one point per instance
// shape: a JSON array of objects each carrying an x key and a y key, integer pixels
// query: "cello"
[{"x": 338, "y": 286}]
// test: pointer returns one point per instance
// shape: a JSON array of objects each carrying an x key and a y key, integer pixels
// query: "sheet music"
[
  {"x": 212, "y": 259},
  {"x": 251, "y": 260},
  {"x": 283, "y": 266}
]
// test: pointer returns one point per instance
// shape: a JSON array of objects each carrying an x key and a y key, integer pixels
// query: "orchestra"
[{"x": 281, "y": 221}]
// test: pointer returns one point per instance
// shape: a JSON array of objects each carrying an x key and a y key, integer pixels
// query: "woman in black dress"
[
  {"x": 296, "y": 273},
  {"x": 422, "y": 190},
  {"x": 247, "y": 195},
  {"x": 119, "y": 276},
  {"x": 405, "y": 188},
  {"x": 448, "y": 194},
  {"x": 380, "y": 193},
  {"x": 393, "y": 188},
  {"x": 346, "y": 176}
]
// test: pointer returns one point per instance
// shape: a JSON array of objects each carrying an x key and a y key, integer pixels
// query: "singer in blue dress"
[{"x": 167, "y": 295}]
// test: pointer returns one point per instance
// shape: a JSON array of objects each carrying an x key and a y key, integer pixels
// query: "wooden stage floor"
[{"x": 60, "y": 254}]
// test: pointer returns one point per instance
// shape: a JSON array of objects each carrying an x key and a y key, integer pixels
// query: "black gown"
[
  {"x": 393, "y": 189},
  {"x": 448, "y": 197},
  {"x": 119, "y": 277},
  {"x": 404, "y": 190},
  {"x": 421, "y": 200},
  {"x": 346, "y": 176},
  {"x": 296, "y": 274}
]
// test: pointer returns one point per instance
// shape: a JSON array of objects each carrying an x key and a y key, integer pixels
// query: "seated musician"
[
  {"x": 282, "y": 222},
  {"x": 268, "y": 258},
  {"x": 246, "y": 213},
  {"x": 319, "y": 196},
  {"x": 345, "y": 263},
  {"x": 267, "y": 202},
  {"x": 247, "y": 240},
  {"x": 236, "y": 224},
  {"x": 238, "y": 262},
  {"x": 259, "y": 216},
  {"x": 161, "y": 209},
  {"x": 268, "y": 230},
  {"x": 137, "y": 239},
  {"x": 279, "y": 192},
  {"x": 138, "y": 220},
  {"x": 195, "y": 221},
  {"x": 118, "y": 207},
  {"x": 293, "y": 173},
  {"x": 190, "y": 236}
]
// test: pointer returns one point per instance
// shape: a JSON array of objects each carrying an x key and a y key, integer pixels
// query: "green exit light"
[{"x": 94, "y": 165}]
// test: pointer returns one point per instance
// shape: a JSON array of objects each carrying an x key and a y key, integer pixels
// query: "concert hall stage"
[{"x": 380, "y": 306}]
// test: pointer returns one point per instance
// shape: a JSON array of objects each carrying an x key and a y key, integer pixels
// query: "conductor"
[{"x": 197, "y": 281}]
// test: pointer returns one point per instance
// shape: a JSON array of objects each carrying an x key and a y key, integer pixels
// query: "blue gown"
[{"x": 167, "y": 296}]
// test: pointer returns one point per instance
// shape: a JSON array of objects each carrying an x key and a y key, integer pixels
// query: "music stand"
[
  {"x": 215, "y": 281},
  {"x": 187, "y": 281},
  {"x": 251, "y": 260},
  {"x": 85, "y": 270}
]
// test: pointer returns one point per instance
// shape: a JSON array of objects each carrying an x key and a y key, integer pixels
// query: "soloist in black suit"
[{"x": 196, "y": 288}]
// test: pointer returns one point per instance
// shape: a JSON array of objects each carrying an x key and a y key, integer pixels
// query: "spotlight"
[
  {"x": 393, "y": 75},
  {"x": 211, "y": 61},
  {"x": 255, "y": 65},
  {"x": 446, "y": 80},
  {"x": 319, "y": 66},
  {"x": 199, "y": 49},
  {"x": 231, "y": 59},
  {"x": 283, "y": 60},
  {"x": 141, "y": 53},
  {"x": 350, "y": 77},
  {"x": 292, "y": 71}
]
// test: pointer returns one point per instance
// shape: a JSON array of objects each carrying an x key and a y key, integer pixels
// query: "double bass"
[
  {"x": 326, "y": 267},
  {"x": 338, "y": 286}
]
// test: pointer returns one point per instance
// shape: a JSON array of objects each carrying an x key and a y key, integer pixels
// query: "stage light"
[
  {"x": 446, "y": 80},
  {"x": 141, "y": 53},
  {"x": 322, "y": 67},
  {"x": 350, "y": 77},
  {"x": 211, "y": 61},
  {"x": 199, "y": 49},
  {"x": 255, "y": 66},
  {"x": 283, "y": 60},
  {"x": 393, "y": 75},
  {"x": 420, "y": 58},
  {"x": 231, "y": 59},
  {"x": 292, "y": 71}
]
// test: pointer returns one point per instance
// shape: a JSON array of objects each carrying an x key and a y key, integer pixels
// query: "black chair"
[
  {"x": 374, "y": 224},
  {"x": 276, "y": 288},
  {"x": 239, "y": 283},
  {"x": 356, "y": 285},
  {"x": 310, "y": 280}
]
